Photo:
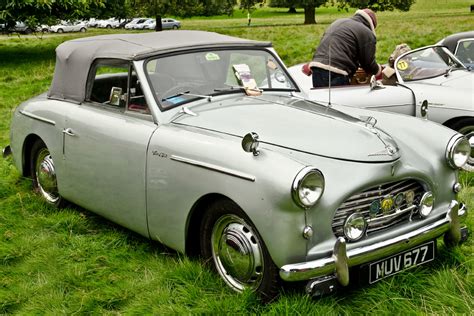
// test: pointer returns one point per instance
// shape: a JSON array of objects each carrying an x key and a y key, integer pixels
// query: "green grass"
[{"x": 71, "y": 261}]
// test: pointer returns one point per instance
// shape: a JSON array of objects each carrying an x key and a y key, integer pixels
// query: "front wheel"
[
  {"x": 44, "y": 174},
  {"x": 465, "y": 126},
  {"x": 237, "y": 251},
  {"x": 83, "y": 30}
]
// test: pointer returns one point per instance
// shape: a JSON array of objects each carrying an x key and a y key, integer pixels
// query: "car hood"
[
  {"x": 454, "y": 91},
  {"x": 295, "y": 124},
  {"x": 458, "y": 79}
]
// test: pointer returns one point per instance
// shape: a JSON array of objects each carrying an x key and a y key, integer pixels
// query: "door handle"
[{"x": 68, "y": 132}]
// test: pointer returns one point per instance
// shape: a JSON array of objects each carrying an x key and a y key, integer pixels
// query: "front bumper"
[{"x": 341, "y": 259}]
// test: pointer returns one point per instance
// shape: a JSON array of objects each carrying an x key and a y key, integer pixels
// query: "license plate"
[{"x": 402, "y": 261}]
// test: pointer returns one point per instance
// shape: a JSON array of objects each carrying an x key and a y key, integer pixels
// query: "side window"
[
  {"x": 109, "y": 84},
  {"x": 115, "y": 84},
  {"x": 136, "y": 98}
]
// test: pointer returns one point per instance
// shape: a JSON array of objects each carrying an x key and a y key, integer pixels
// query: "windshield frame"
[
  {"x": 459, "y": 42},
  {"x": 432, "y": 47},
  {"x": 231, "y": 90}
]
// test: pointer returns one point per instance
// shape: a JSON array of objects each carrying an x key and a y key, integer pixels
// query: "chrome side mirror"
[
  {"x": 250, "y": 143},
  {"x": 424, "y": 109},
  {"x": 374, "y": 84}
]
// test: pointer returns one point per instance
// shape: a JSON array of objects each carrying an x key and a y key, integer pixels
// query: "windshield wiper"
[{"x": 208, "y": 97}]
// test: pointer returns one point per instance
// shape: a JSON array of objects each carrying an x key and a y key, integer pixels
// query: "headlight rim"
[
  {"x": 452, "y": 144},
  {"x": 297, "y": 182},
  {"x": 363, "y": 231},
  {"x": 427, "y": 195}
]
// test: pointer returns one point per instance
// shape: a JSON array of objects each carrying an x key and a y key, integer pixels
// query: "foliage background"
[{"x": 71, "y": 261}]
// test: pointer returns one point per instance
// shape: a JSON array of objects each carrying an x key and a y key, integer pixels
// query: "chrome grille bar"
[{"x": 361, "y": 202}]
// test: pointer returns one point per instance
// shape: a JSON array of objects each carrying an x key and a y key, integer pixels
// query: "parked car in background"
[
  {"x": 144, "y": 25},
  {"x": 205, "y": 143},
  {"x": 170, "y": 24},
  {"x": 462, "y": 46},
  {"x": 67, "y": 26},
  {"x": 167, "y": 24},
  {"x": 432, "y": 84},
  {"x": 92, "y": 22},
  {"x": 22, "y": 28},
  {"x": 133, "y": 24},
  {"x": 109, "y": 23}
]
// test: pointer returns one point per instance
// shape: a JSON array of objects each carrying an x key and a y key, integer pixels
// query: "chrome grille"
[{"x": 361, "y": 203}]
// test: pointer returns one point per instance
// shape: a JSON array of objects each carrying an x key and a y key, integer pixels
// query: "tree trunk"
[
  {"x": 159, "y": 25},
  {"x": 309, "y": 15},
  {"x": 292, "y": 10}
]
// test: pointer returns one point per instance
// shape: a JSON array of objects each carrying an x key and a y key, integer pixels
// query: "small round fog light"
[
  {"x": 355, "y": 227},
  {"x": 426, "y": 204}
]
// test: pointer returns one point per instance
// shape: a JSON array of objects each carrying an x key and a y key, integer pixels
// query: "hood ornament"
[
  {"x": 369, "y": 121},
  {"x": 388, "y": 151}
]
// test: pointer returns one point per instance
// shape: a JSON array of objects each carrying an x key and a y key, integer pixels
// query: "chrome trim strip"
[
  {"x": 212, "y": 167},
  {"x": 398, "y": 212},
  {"x": 324, "y": 266},
  {"x": 36, "y": 117}
]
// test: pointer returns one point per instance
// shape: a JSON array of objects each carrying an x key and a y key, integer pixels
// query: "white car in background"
[
  {"x": 109, "y": 23},
  {"x": 67, "y": 26},
  {"x": 132, "y": 25},
  {"x": 145, "y": 25}
]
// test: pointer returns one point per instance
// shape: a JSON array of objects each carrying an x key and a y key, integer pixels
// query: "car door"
[{"x": 105, "y": 147}]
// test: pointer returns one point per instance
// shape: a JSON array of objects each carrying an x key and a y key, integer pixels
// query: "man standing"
[{"x": 347, "y": 44}]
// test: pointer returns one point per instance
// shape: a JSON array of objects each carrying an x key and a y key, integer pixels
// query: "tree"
[
  {"x": 309, "y": 7},
  {"x": 183, "y": 8},
  {"x": 36, "y": 12},
  {"x": 376, "y": 5}
]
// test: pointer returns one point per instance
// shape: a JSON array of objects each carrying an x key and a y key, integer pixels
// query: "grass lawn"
[{"x": 71, "y": 261}]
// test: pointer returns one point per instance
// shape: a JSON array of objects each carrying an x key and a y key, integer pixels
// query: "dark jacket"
[{"x": 350, "y": 42}]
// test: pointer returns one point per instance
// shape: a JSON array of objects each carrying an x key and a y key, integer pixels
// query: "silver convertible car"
[
  {"x": 204, "y": 143},
  {"x": 431, "y": 83}
]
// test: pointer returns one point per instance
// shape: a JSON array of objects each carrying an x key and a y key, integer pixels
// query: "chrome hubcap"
[
  {"x": 237, "y": 253},
  {"x": 46, "y": 176}
]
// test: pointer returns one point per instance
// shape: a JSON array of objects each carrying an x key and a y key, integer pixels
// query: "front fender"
[{"x": 186, "y": 163}]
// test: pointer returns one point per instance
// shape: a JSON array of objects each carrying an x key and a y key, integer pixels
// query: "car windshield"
[
  {"x": 465, "y": 52},
  {"x": 179, "y": 79},
  {"x": 426, "y": 63}
]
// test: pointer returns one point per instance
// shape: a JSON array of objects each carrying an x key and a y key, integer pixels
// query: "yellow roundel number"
[{"x": 402, "y": 65}]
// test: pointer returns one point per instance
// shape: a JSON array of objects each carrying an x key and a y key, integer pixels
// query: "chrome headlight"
[
  {"x": 308, "y": 187},
  {"x": 458, "y": 151},
  {"x": 355, "y": 227},
  {"x": 426, "y": 204}
]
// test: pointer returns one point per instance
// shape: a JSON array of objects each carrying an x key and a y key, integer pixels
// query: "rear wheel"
[
  {"x": 83, "y": 29},
  {"x": 44, "y": 174},
  {"x": 231, "y": 242},
  {"x": 60, "y": 31},
  {"x": 465, "y": 126}
]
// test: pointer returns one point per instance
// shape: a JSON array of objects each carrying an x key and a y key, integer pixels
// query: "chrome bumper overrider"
[{"x": 342, "y": 259}]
